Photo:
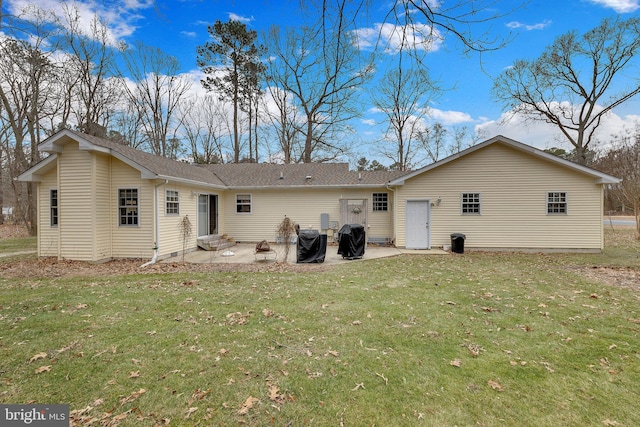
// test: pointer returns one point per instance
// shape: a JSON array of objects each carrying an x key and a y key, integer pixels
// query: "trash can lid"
[{"x": 458, "y": 235}]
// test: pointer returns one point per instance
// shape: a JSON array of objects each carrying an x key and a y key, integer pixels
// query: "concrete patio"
[{"x": 244, "y": 253}]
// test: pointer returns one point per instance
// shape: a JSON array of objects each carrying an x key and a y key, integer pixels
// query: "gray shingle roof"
[
  {"x": 249, "y": 175},
  {"x": 269, "y": 175}
]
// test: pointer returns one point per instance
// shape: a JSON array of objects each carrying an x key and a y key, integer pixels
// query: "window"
[
  {"x": 243, "y": 203},
  {"x": 128, "y": 206},
  {"x": 172, "y": 202},
  {"x": 53, "y": 206},
  {"x": 556, "y": 203},
  {"x": 380, "y": 202},
  {"x": 470, "y": 203}
]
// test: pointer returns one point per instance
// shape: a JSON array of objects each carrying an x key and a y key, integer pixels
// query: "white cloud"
[
  {"x": 369, "y": 122},
  {"x": 191, "y": 34},
  {"x": 543, "y": 135},
  {"x": 449, "y": 117},
  {"x": 392, "y": 37},
  {"x": 239, "y": 18},
  {"x": 120, "y": 16},
  {"x": 539, "y": 26},
  {"x": 620, "y": 6}
]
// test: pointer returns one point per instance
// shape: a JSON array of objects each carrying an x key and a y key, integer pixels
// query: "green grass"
[
  {"x": 367, "y": 343},
  {"x": 17, "y": 245}
]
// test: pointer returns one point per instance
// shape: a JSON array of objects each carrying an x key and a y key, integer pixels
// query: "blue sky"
[{"x": 179, "y": 26}]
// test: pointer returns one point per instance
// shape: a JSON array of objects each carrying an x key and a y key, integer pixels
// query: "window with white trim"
[
  {"x": 380, "y": 202},
  {"x": 243, "y": 203},
  {"x": 556, "y": 203},
  {"x": 53, "y": 207},
  {"x": 470, "y": 203},
  {"x": 128, "y": 206},
  {"x": 172, "y": 202}
]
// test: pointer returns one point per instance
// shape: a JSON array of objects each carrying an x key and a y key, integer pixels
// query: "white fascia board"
[
  {"x": 192, "y": 182},
  {"x": 32, "y": 174},
  {"x": 53, "y": 143}
]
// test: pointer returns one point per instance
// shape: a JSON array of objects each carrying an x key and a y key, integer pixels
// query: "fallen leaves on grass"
[
  {"x": 248, "y": 405},
  {"x": 275, "y": 395},
  {"x": 133, "y": 396},
  {"x": 474, "y": 349},
  {"x": 42, "y": 369},
  {"x": 456, "y": 363},
  {"x": 41, "y": 355},
  {"x": 237, "y": 318},
  {"x": 198, "y": 394},
  {"x": 494, "y": 385}
]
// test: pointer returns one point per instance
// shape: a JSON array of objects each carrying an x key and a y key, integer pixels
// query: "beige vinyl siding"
[
  {"x": 132, "y": 241},
  {"x": 103, "y": 207},
  {"x": 48, "y": 236},
  {"x": 303, "y": 206},
  {"x": 170, "y": 225},
  {"x": 76, "y": 209},
  {"x": 513, "y": 188}
]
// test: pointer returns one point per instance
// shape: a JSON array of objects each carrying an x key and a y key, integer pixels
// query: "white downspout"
[
  {"x": 393, "y": 214},
  {"x": 156, "y": 244}
]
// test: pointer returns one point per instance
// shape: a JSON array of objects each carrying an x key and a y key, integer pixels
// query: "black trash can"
[
  {"x": 311, "y": 247},
  {"x": 457, "y": 243},
  {"x": 351, "y": 241}
]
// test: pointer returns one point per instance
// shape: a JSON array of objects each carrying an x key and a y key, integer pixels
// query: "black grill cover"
[
  {"x": 311, "y": 246},
  {"x": 351, "y": 241}
]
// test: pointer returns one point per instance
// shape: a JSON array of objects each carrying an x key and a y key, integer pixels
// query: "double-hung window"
[
  {"x": 470, "y": 203},
  {"x": 128, "y": 206},
  {"x": 380, "y": 202},
  {"x": 53, "y": 207},
  {"x": 243, "y": 203},
  {"x": 172, "y": 202},
  {"x": 556, "y": 203}
]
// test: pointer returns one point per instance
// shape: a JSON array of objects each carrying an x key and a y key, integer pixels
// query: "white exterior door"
[{"x": 417, "y": 224}]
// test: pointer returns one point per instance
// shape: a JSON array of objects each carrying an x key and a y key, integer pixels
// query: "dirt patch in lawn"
[
  {"x": 11, "y": 231},
  {"x": 52, "y": 267},
  {"x": 624, "y": 277}
]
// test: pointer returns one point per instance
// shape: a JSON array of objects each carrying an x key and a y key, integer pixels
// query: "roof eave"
[
  {"x": 32, "y": 174},
  {"x": 191, "y": 182},
  {"x": 307, "y": 186}
]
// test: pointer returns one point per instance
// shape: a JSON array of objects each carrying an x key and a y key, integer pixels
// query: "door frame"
[
  {"x": 427, "y": 203},
  {"x": 212, "y": 214}
]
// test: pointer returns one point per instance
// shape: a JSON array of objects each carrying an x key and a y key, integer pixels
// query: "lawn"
[{"x": 473, "y": 339}]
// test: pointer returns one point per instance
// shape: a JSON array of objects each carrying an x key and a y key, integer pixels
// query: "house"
[{"x": 100, "y": 200}]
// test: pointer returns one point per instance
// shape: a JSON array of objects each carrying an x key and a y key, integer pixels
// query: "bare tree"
[
  {"x": 570, "y": 86},
  {"x": 402, "y": 96},
  {"x": 433, "y": 141},
  {"x": 467, "y": 21},
  {"x": 323, "y": 69},
  {"x": 156, "y": 94},
  {"x": 26, "y": 84},
  {"x": 284, "y": 122},
  {"x": 623, "y": 161},
  {"x": 91, "y": 92},
  {"x": 205, "y": 129}
]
